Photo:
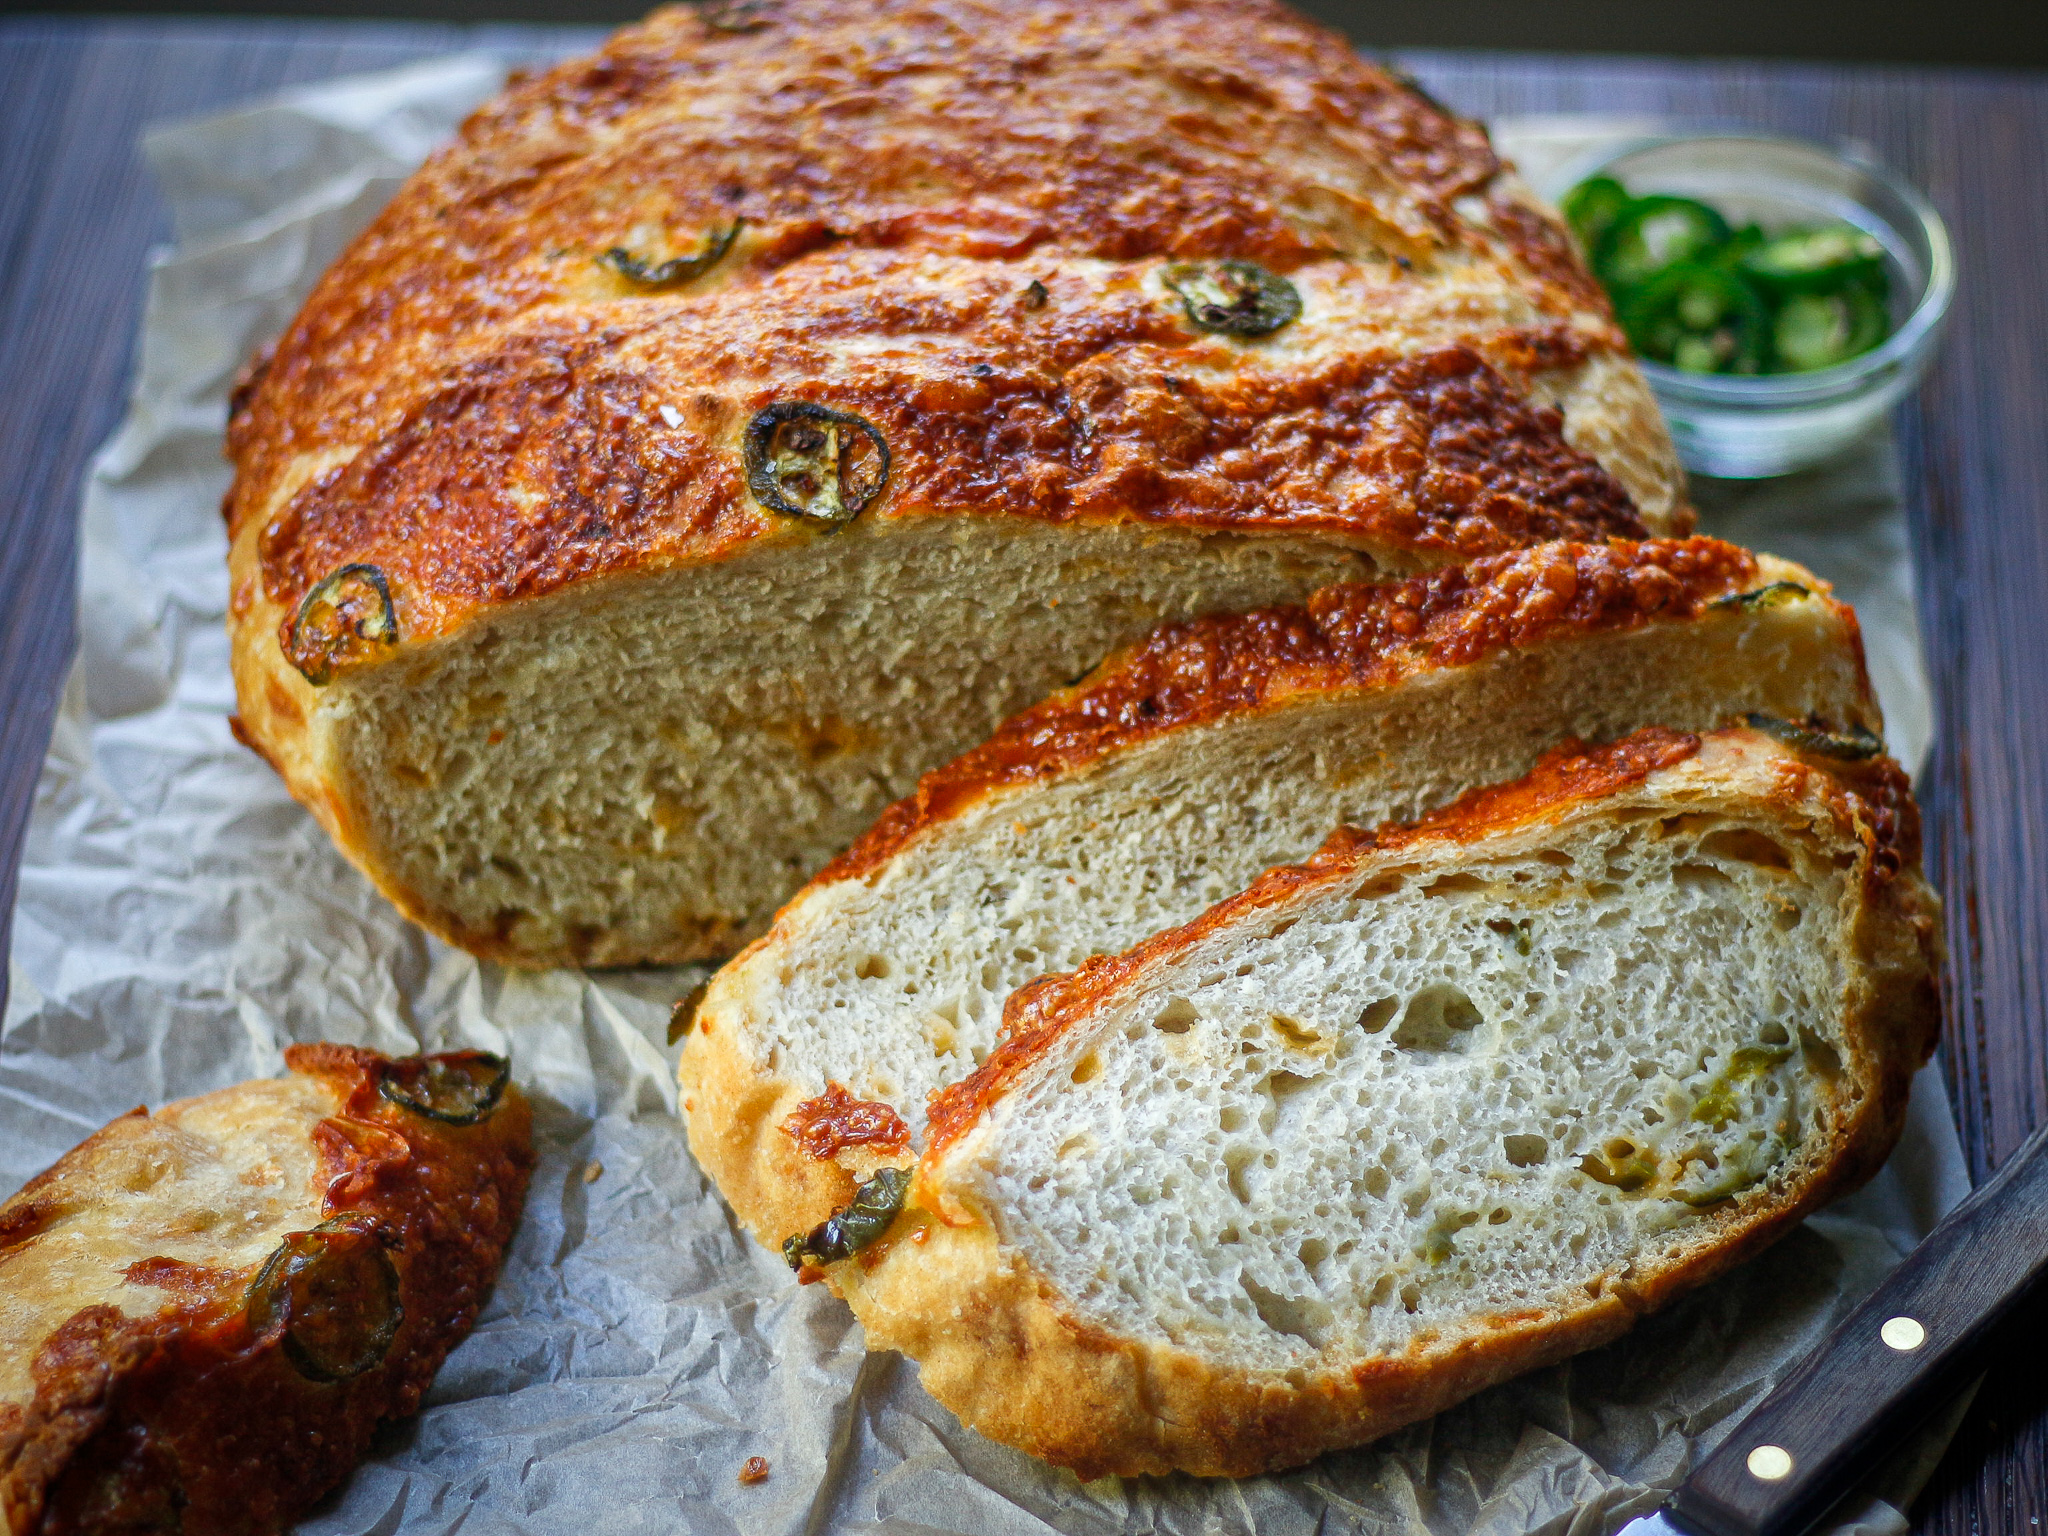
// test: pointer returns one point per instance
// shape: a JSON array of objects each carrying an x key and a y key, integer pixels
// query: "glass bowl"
[{"x": 1747, "y": 427}]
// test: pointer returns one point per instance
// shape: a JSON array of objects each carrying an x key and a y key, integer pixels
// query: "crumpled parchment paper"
[{"x": 181, "y": 920}]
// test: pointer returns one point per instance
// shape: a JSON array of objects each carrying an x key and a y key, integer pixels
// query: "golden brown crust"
[
  {"x": 1358, "y": 635},
  {"x": 193, "y": 1418},
  {"x": 763, "y": 1174},
  {"x": 1004, "y": 1352},
  {"x": 952, "y": 221},
  {"x": 997, "y": 1347}
]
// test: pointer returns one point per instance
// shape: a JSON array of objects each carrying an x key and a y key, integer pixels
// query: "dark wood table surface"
[{"x": 78, "y": 215}]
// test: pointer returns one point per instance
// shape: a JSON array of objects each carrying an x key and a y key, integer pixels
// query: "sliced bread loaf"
[
  {"x": 733, "y": 424},
  {"x": 1171, "y": 778},
  {"x": 1445, "y": 1103}
]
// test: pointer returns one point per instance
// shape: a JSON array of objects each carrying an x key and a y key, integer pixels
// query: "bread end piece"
[{"x": 205, "y": 1313}]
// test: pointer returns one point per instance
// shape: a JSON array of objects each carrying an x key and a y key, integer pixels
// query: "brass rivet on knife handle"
[
  {"x": 1770, "y": 1463},
  {"x": 1904, "y": 1334}
]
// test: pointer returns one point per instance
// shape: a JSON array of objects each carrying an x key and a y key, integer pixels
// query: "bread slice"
[
  {"x": 735, "y": 424},
  {"x": 1443, "y": 1104},
  {"x": 208, "y": 1313},
  {"x": 1173, "y": 776}
]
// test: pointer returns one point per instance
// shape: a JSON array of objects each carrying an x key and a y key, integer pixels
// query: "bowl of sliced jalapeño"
[{"x": 1783, "y": 296}]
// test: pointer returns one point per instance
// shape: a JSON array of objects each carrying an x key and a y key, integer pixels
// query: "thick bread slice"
[
  {"x": 594, "y": 595},
  {"x": 208, "y": 1313},
  {"x": 1439, "y": 1106},
  {"x": 1174, "y": 775}
]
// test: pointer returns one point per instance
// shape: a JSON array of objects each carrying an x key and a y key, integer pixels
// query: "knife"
[{"x": 1908, "y": 1349}]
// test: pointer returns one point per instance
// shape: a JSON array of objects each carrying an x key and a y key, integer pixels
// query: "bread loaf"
[
  {"x": 1177, "y": 773},
  {"x": 736, "y": 423},
  {"x": 206, "y": 1313},
  {"x": 1443, "y": 1104}
]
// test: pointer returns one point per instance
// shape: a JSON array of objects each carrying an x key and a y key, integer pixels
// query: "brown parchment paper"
[{"x": 180, "y": 920}]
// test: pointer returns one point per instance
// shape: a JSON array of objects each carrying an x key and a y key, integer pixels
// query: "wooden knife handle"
[{"x": 1909, "y": 1347}]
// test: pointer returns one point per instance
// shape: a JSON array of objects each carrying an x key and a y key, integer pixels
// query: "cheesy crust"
[
  {"x": 542, "y": 403},
  {"x": 206, "y": 1312}
]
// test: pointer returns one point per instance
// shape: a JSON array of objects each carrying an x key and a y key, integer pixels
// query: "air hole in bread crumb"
[
  {"x": 1700, "y": 877},
  {"x": 1087, "y": 1069},
  {"x": 1687, "y": 824},
  {"x": 1821, "y": 1059},
  {"x": 1176, "y": 1018},
  {"x": 1235, "y": 1161},
  {"x": 1375, "y": 1181},
  {"x": 1312, "y": 1253},
  {"x": 1439, "y": 1018},
  {"x": 1411, "y": 1297},
  {"x": 1283, "y": 1086},
  {"x": 1300, "y": 1036},
  {"x": 1499, "y": 1215},
  {"x": 1747, "y": 847},
  {"x": 1378, "y": 886},
  {"x": 1454, "y": 885},
  {"x": 1525, "y": 1151},
  {"x": 1304, "y": 1319},
  {"x": 1378, "y": 1015},
  {"x": 874, "y": 968}
]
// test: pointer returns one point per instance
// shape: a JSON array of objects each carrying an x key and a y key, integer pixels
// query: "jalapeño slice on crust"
[
  {"x": 845, "y": 1232},
  {"x": 458, "y": 1088},
  {"x": 677, "y": 270},
  {"x": 346, "y": 617},
  {"x": 1232, "y": 297},
  {"x": 333, "y": 1292},
  {"x": 809, "y": 461},
  {"x": 1852, "y": 745},
  {"x": 1771, "y": 596}
]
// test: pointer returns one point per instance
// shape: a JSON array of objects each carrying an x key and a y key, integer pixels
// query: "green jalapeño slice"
[
  {"x": 1853, "y": 745},
  {"x": 346, "y": 617},
  {"x": 1701, "y": 297},
  {"x": 1824, "y": 258},
  {"x": 860, "y": 1223},
  {"x": 809, "y": 461},
  {"x": 1698, "y": 318},
  {"x": 1652, "y": 234},
  {"x": 1233, "y": 298},
  {"x": 677, "y": 270},
  {"x": 458, "y": 1088},
  {"x": 333, "y": 1293},
  {"x": 1819, "y": 330},
  {"x": 1592, "y": 207}
]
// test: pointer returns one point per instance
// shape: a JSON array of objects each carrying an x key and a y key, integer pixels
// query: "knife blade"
[{"x": 1890, "y": 1364}]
